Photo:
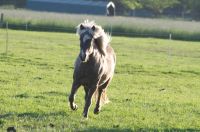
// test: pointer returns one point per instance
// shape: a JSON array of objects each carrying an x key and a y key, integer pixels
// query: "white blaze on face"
[{"x": 86, "y": 37}]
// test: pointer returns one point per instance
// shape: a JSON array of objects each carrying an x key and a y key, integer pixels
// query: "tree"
[
  {"x": 157, "y": 6},
  {"x": 16, "y": 3},
  {"x": 190, "y": 6},
  {"x": 195, "y": 9},
  {"x": 185, "y": 6}
]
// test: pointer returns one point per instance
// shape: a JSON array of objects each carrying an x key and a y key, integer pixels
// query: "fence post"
[
  {"x": 170, "y": 36},
  {"x": 1, "y": 21},
  {"x": 6, "y": 38},
  {"x": 26, "y": 26},
  {"x": 169, "y": 50}
]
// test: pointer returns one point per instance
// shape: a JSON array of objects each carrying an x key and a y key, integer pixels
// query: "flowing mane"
[{"x": 101, "y": 38}]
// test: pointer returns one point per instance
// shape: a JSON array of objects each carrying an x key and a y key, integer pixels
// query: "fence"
[
  {"x": 121, "y": 26},
  {"x": 28, "y": 27},
  {"x": 115, "y": 32}
]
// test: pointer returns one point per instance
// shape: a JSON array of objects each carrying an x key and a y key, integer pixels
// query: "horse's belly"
[{"x": 105, "y": 78}]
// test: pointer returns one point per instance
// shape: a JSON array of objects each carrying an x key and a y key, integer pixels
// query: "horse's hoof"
[
  {"x": 83, "y": 119},
  {"x": 75, "y": 107},
  {"x": 96, "y": 111},
  {"x": 85, "y": 116}
]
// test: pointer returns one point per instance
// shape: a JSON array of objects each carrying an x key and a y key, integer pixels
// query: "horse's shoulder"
[{"x": 109, "y": 49}]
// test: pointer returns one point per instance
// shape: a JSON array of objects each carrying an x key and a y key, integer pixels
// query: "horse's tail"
[{"x": 104, "y": 98}]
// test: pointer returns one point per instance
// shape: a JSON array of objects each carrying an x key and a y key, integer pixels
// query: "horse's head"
[
  {"x": 86, "y": 41},
  {"x": 92, "y": 37}
]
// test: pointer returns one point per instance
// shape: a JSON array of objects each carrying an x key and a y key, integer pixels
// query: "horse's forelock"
[
  {"x": 97, "y": 33},
  {"x": 87, "y": 26}
]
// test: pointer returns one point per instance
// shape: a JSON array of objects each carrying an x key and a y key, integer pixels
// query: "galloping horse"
[{"x": 94, "y": 66}]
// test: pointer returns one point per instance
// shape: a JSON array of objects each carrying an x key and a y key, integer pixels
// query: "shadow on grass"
[
  {"x": 39, "y": 97},
  {"x": 54, "y": 93},
  {"x": 93, "y": 129},
  {"x": 167, "y": 130},
  {"x": 42, "y": 115},
  {"x": 5, "y": 115},
  {"x": 23, "y": 95},
  {"x": 190, "y": 72},
  {"x": 23, "y": 61},
  {"x": 130, "y": 69},
  {"x": 34, "y": 115}
]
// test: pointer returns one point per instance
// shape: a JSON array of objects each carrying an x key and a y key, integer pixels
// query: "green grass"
[
  {"x": 155, "y": 86},
  {"x": 120, "y": 26}
]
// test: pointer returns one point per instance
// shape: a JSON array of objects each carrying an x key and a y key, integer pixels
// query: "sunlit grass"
[{"x": 155, "y": 86}]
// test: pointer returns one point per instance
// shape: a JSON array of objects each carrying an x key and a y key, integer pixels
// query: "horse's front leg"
[
  {"x": 86, "y": 92},
  {"x": 88, "y": 100},
  {"x": 74, "y": 89}
]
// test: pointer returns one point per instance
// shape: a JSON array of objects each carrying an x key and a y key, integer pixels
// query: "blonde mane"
[{"x": 97, "y": 33}]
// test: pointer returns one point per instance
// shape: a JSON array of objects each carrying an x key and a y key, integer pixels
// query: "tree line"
[
  {"x": 15, "y": 3},
  {"x": 158, "y": 7}
]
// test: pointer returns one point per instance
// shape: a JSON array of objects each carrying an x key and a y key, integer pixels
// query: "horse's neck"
[{"x": 96, "y": 56}]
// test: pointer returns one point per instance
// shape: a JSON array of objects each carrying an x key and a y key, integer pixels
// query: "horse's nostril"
[{"x": 82, "y": 57}]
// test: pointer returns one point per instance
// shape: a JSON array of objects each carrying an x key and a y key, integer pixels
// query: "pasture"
[{"x": 156, "y": 86}]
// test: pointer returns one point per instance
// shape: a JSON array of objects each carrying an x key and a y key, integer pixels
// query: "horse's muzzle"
[{"x": 83, "y": 57}]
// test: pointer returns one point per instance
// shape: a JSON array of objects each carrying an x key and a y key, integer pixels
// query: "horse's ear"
[
  {"x": 93, "y": 28},
  {"x": 81, "y": 27}
]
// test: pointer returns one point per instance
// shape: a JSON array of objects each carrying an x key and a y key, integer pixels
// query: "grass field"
[
  {"x": 121, "y": 26},
  {"x": 156, "y": 86}
]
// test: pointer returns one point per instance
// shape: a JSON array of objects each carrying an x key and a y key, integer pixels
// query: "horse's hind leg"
[
  {"x": 74, "y": 89},
  {"x": 101, "y": 89},
  {"x": 97, "y": 108}
]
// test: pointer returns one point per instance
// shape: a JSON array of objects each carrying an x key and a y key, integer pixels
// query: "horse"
[{"x": 94, "y": 66}]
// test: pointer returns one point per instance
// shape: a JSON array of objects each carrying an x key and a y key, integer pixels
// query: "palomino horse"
[{"x": 94, "y": 66}]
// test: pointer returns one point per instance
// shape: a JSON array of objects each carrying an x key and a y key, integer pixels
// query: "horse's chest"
[{"x": 87, "y": 73}]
